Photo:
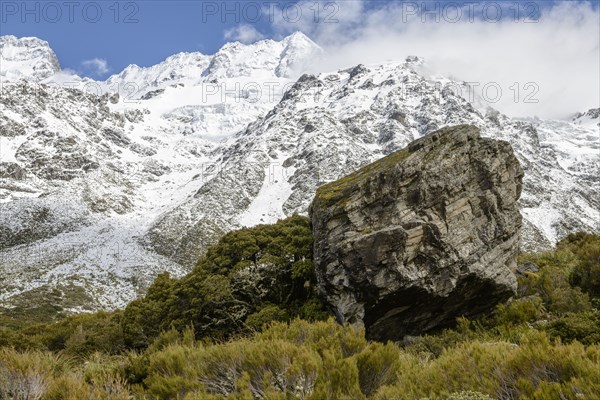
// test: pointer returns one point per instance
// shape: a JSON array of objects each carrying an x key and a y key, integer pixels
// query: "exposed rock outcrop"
[{"x": 429, "y": 233}]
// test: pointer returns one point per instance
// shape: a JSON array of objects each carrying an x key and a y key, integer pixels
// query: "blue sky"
[
  {"x": 146, "y": 32},
  {"x": 127, "y": 32}
]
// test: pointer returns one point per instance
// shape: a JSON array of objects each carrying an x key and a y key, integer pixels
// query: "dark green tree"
[{"x": 250, "y": 277}]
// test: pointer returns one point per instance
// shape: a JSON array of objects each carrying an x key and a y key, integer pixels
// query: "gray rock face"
[{"x": 429, "y": 233}]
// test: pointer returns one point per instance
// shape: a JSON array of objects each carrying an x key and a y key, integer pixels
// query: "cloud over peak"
[
  {"x": 541, "y": 58},
  {"x": 96, "y": 66},
  {"x": 243, "y": 33}
]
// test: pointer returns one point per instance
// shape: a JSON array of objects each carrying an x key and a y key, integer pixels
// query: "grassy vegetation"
[
  {"x": 542, "y": 345},
  {"x": 337, "y": 190},
  {"x": 47, "y": 304}
]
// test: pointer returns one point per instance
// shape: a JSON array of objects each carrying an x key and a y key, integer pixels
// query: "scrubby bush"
[
  {"x": 250, "y": 277},
  {"x": 552, "y": 283},
  {"x": 469, "y": 395},
  {"x": 534, "y": 368},
  {"x": 319, "y": 360},
  {"x": 18, "y": 339},
  {"x": 582, "y": 327},
  {"x": 519, "y": 311},
  {"x": 586, "y": 273},
  {"x": 301, "y": 359},
  {"x": 26, "y": 376},
  {"x": 265, "y": 315},
  {"x": 38, "y": 375},
  {"x": 343, "y": 341},
  {"x": 264, "y": 368},
  {"x": 377, "y": 366},
  {"x": 76, "y": 336},
  {"x": 434, "y": 345}
]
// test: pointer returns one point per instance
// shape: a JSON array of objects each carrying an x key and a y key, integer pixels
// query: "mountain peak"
[
  {"x": 589, "y": 118},
  {"x": 286, "y": 58},
  {"x": 28, "y": 58},
  {"x": 299, "y": 52},
  {"x": 298, "y": 37},
  {"x": 414, "y": 61}
]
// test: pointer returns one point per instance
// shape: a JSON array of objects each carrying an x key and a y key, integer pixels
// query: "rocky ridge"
[{"x": 26, "y": 58}]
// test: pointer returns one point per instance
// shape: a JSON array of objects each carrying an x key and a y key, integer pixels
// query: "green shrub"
[
  {"x": 583, "y": 327},
  {"x": 144, "y": 319},
  {"x": 266, "y": 368},
  {"x": 266, "y": 315},
  {"x": 250, "y": 277},
  {"x": 230, "y": 329},
  {"x": 339, "y": 378},
  {"x": 26, "y": 376},
  {"x": 519, "y": 311},
  {"x": 73, "y": 387},
  {"x": 553, "y": 285},
  {"x": 586, "y": 274},
  {"x": 534, "y": 368},
  {"x": 321, "y": 336},
  {"x": 17, "y": 339},
  {"x": 435, "y": 344},
  {"x": 377, "y": 366},
  {"x": 69, "y": 387},
  {"x": 319, "y": 360}
]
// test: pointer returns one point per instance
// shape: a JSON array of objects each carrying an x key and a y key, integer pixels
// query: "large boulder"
[{"x": 429, "y": 233}]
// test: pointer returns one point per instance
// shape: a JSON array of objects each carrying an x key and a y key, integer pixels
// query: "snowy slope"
[
  {"x": 83, "y": 177},
  {"x": 26, "y": 58},
  {"x": 329, "y": 125},
  {"x": 590, "y": 118},
  {"x": 99, "y": 193}
]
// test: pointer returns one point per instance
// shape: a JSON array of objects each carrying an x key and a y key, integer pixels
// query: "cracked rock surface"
[{"x": 429, "y": 233}]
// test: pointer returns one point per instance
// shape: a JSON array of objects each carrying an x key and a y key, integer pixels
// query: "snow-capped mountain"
[
  {"x": 590, "y": 118},
  {"x": 100, "y": 192},
  {"x": 26, "y": 58}
]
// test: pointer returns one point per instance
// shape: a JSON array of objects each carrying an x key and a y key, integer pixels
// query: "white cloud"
[
  {"x": 97, "y": 66},
  {"x": 243, "y": 33},
  {"x": 559, "y": 54},
  {"x": 330, "y": 21}
]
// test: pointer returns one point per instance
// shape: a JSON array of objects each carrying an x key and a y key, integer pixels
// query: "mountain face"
[
  {"x": 589, "y": 118},
  {"x": 422, "y": 236},
  {"x": 26, "y": 58},
  {"x": 99, "y": 192}
]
